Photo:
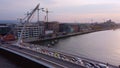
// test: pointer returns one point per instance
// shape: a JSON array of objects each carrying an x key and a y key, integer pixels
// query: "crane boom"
[
  {"x": 33, "y": 11},
  {"x": 26, "y": 22}
]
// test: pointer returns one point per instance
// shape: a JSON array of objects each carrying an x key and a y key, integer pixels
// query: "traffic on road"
[{"x": 65, "y": 57}]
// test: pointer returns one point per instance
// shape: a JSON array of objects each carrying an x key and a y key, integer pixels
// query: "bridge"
[
  {"x": 52, "y": 58},
  {"x": 49, "y": 57},
  {"x": 39, "y": 57}
]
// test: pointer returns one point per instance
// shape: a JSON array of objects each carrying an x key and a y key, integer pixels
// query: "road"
[{"x": 42, "y": 58}]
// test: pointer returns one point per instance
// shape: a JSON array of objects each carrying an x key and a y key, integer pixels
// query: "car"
[
  {"x": 79, "y": 61},
  {"x": 88, "y": 65},
  {"x": 102, "y": 65}
]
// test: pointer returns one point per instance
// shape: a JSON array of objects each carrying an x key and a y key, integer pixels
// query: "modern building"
[
  {"x": 69, "y": 27},
  {"x": 75, "y": 27},
  {"x": 65, "y": 28},
  {"x": 85, "y": 27},
  {"x": 6, "y": 28},
  {"x": 52, "y": 26},
  {"x": 32, "y": 30}
]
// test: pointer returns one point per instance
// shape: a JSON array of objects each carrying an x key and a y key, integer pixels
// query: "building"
[
  {"x": 7, "y": 32},
  {"x": 75, "y": 27},
  {"x": 4, "y": 29},
  {"x": 32, "y": 30},
  {"x": 69, "y": 27},
  {"x": 85, "y": 27},
  {"x": 65, "y": 28},
  {"x": 52, "y": 26}
]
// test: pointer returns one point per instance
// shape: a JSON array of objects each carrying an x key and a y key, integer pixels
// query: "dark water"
[
  {"x": 9, "y": 60},
  {"x": 7, "y": 63},
  {"x": 102, "y": 46}
]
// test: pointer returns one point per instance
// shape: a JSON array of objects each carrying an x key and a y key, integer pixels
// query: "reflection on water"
[
  {"x": 50, "y": 43},
  {"x": 102, "y": 46}
]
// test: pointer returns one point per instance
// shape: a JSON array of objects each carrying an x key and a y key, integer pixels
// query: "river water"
[
  {"x": 102, "y": 46},
  {"x": 6, "y": 63}
]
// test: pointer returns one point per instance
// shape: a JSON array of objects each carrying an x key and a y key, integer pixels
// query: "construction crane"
[
  {"x": 46, "y": 16},
  {"x": 26, "y": 22},
  {"x": 38, "y": 12},
  {"x": 22, "y": 20}
]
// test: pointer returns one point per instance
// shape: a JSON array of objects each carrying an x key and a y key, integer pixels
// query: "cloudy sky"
[{"x": 64, "y": 10}]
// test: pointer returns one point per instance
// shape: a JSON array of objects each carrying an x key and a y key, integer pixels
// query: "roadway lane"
[
  {"x": 45, "y": 58},
  {"x": 33, "y": 58}
]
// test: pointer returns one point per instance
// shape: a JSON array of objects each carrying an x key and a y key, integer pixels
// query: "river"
[
  {"x": 9, "y": 60},
  {"x": 102, "y": 46},
  {"x": 7, "y": 63}
]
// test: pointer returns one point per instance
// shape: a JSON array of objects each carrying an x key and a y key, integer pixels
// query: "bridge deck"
[{"x": 40, "y": 58}]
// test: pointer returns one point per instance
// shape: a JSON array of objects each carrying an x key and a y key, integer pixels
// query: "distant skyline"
[{"x": 64, "y": 10}]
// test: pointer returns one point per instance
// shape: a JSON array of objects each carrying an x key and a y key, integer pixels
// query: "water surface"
[{"x": 101, "y": 46}]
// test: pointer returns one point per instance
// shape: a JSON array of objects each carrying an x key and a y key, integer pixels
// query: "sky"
[{"x": 63, "y": 10}]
